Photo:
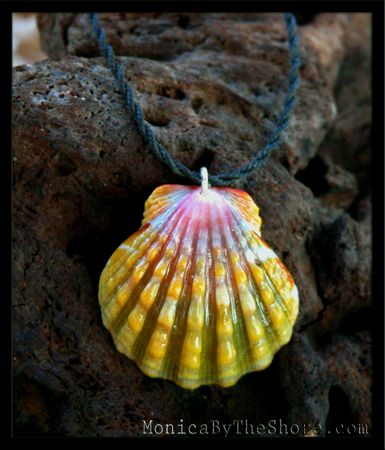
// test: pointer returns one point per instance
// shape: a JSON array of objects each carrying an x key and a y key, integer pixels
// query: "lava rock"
[{"x": 210, "y": 85}]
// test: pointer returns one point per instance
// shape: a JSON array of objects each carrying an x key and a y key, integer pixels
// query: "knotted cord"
[{"x": 222, "y": 179}]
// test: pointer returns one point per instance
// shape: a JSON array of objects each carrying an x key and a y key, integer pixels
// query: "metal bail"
[{"x": 204, "y": 181}]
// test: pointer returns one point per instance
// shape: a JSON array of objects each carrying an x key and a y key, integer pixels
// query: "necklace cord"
[{"x": 179, "y": 169}]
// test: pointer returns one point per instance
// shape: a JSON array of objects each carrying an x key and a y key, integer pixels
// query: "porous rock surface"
[{"x": 211, "y": 86}]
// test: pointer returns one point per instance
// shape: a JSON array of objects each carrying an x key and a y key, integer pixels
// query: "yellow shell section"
[{"x": 195, "y": 295}]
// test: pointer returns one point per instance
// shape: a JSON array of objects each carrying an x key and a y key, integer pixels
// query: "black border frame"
[{"x": 376, "y": 7}]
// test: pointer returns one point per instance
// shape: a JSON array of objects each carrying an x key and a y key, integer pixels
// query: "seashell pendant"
[{"x": 195, "y": 295}]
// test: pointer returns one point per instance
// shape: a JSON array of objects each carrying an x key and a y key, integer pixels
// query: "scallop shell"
[{"x": 195, "y": 295}]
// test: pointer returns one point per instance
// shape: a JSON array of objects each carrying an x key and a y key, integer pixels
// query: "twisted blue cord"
[{"x": 178, "y": 168}]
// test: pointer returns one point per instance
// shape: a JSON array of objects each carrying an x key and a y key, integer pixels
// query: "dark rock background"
[{"x": 210, "y": 84}]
